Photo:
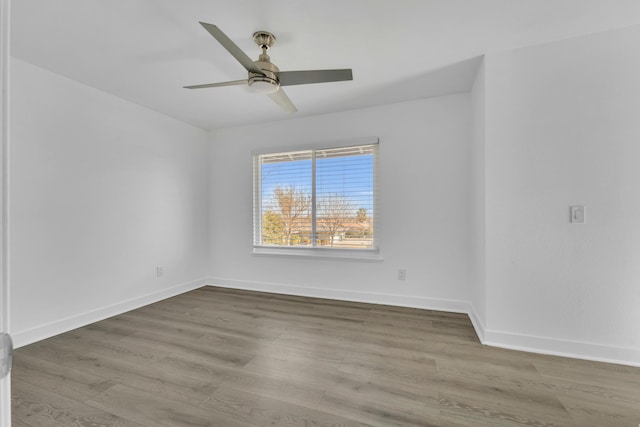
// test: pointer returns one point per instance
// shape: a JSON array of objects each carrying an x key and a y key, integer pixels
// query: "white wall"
[
  {"x": 101, "y": 192},
  {"x": 562, "y": 129},
  {"x": 477, "y": 281},
  {"x": 424, "y": 192}
]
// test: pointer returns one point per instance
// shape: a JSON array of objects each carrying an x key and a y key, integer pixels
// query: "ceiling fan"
[{"x": 264, "y": 77}]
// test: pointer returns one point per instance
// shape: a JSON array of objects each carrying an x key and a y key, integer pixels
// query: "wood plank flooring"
[{"x": 220, "y": 357}]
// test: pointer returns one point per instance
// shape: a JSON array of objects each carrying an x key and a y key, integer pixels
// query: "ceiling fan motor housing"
[{"x": 267, "y": 83}]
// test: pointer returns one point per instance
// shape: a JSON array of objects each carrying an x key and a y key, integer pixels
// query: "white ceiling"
[{"x": 146, "y": 50}]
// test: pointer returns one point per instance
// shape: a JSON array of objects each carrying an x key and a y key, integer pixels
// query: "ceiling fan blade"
[
  {"x": 233, "y": 49},
  {"x": 281, "y": 98},
  {"x": 231, "y": 83},
  {"x": 290, "y": 78}
]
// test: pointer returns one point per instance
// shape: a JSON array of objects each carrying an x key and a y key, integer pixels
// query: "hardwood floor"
[{"x": 219, "y": 357}]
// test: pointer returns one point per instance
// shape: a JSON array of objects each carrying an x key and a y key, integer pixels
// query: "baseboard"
[
  {"x": 49, "y": 330},
  {"x": 453, "y": 306},
  {"x": 565, "y": 348},
  {"x": 513, "y": 341},
  {"x": 476, "y": 321},
  {"x": 553, "y": 346}
]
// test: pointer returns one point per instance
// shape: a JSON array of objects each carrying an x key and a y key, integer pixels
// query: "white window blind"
[{"x": 316, "y": 198}]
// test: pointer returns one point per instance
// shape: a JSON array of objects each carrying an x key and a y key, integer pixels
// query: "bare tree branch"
[
  {"x": 333, "y": 212},
  {"x": 294, "y": 208}
]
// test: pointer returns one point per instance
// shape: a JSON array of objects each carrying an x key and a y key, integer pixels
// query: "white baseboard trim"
[
  {"x": 453, "y": 306},
  {"x": 476, "y": 321},
  {"x": 49, "y": 330},
  {"x": 566, "y": 348},
  {"x": 529, "y": 343}
]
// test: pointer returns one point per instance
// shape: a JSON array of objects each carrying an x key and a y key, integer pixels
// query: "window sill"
[{"x": 325, "y": 254}]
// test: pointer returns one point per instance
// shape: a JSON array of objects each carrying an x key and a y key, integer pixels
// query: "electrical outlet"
[
  {"x": 577, "y": 214},
  {"x": 402, "y": 274},
  {"x": 159, "y": 271}
]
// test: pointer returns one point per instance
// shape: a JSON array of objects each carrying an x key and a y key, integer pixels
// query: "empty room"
[{"x": 337, "y": 213}]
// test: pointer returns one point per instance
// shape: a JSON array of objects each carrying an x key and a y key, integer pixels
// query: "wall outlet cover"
[{"x": 577, "y": 214}]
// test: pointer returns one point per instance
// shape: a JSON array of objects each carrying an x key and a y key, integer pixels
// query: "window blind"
[{"x": 318, "y": 198}]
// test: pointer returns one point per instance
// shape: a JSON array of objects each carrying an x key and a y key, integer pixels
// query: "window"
[{"x": 319, "y": 198}]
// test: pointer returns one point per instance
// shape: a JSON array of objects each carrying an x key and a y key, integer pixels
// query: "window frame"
[{"x": 319, "y": 252}]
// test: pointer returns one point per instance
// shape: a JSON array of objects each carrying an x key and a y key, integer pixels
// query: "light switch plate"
[
  {"x": 6, "y": 354},
  {"x": 577, "y": 214}
]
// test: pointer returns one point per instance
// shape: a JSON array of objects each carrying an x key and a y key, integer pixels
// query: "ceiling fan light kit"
[
  {"x": 265, "y": 77},
  {"x": 264, "y": 86}
]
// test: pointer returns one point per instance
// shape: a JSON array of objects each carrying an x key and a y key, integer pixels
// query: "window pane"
[
  {"x": 316, "y": 198},
  {"x": 345, "y": 197},
  {"x": 286, "y": 199}
]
